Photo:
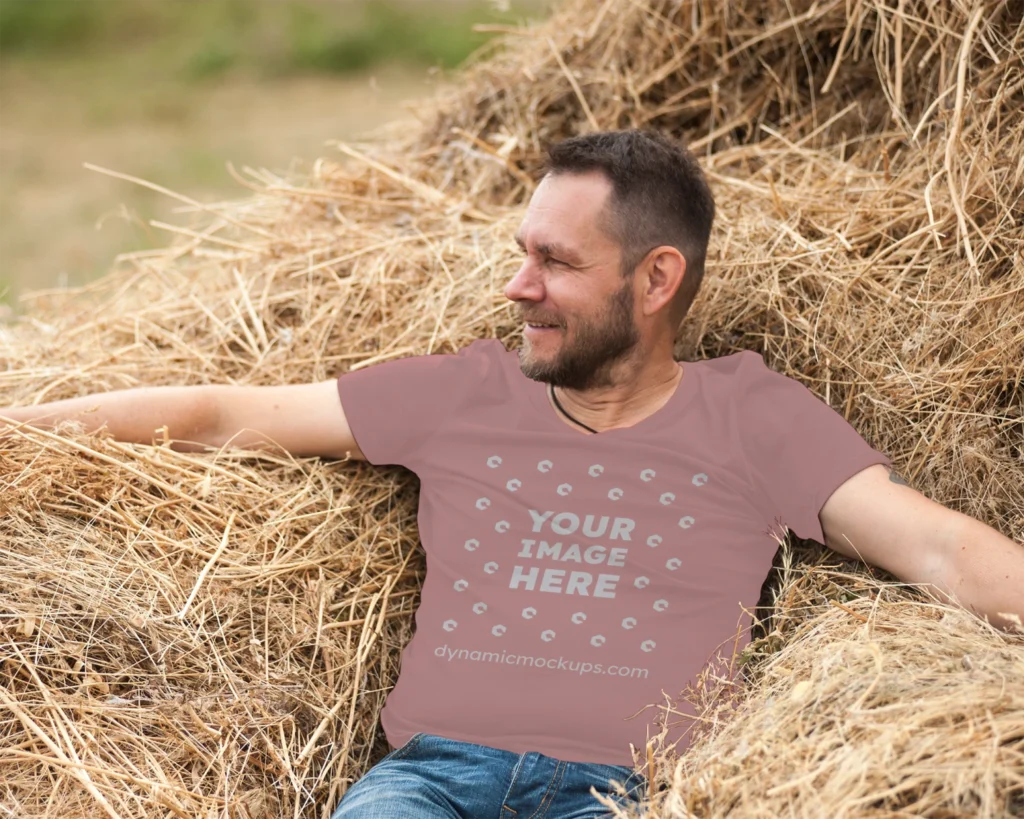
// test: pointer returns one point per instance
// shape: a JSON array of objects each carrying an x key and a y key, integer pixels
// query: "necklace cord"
[{"x": 554, "y": 397}]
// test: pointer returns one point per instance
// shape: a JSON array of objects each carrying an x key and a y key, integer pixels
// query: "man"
[{"x": 594, "y": 512}]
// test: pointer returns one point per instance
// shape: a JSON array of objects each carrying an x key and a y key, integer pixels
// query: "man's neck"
[{"x": 621, "y": 406}]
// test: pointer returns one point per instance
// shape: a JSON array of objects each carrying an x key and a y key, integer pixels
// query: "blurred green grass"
[
  {"x": 268, "y": 38},
  {"x": 168, "y": 90}
]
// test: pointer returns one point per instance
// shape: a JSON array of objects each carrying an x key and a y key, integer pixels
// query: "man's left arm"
[{"x": 877, "y": 517}]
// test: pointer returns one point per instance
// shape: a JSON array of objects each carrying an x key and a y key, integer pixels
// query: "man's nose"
[{"x": 524, "y": 284}]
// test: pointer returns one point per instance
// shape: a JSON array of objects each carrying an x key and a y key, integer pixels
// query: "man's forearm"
[
  {"x": 136, "y": 415},
  {"x": 986, "y": 572}
]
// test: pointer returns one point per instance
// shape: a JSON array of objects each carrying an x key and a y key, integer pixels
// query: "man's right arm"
[{"x": 304, "y": 420}]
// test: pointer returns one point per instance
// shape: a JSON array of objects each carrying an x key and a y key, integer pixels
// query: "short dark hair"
[{"x": 659, "y": 197}]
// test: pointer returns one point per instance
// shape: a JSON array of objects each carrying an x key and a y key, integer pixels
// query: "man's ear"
[{"x": 665, "y": 268}]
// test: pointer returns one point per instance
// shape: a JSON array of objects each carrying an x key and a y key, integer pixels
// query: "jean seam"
[
  {"x": 556, "y": 780},
  {"x": 401, "y": 752},
  {"x": 512, "y": 784}
]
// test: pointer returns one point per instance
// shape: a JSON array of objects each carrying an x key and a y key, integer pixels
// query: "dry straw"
[{"x": 214, "y": 634}]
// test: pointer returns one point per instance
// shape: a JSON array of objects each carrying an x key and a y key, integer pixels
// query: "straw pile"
[{"x": 214, "y": 635}]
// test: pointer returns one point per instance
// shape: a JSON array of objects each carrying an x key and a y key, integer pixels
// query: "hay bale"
[
  {"x": 882, "y": 705},
  {"x": 214, "y": 635}
]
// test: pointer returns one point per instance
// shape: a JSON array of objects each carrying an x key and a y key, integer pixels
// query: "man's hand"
[
  {"x": 877, "y": 517},
  {"x": 303, "y": 420}
]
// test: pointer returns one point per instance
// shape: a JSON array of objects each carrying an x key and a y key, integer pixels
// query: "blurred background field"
[{"x": 171, "y": 90}]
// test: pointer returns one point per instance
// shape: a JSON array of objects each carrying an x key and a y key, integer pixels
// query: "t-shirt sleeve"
[
  {"x": 798, "y": 449},
  {"x": 394, "y": 408}
]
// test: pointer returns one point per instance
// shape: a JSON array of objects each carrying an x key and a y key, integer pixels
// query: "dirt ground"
[{"x": 62, "y": 224}]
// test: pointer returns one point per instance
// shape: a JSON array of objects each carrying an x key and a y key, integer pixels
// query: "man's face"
[{"x": 570, "y": 278}]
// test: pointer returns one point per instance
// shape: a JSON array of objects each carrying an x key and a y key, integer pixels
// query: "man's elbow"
[
  {"x": 234, "y": 417},
  {"x": 201, "y": 425}
]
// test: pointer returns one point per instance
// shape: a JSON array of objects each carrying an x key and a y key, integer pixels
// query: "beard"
[{"x": 581, "y": 356}]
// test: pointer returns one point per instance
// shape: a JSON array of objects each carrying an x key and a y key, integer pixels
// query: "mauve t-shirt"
[{"x": 572, "y": 578}]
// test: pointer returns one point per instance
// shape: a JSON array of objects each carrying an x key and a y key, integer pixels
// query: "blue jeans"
[{"x": 431, "y": 777}]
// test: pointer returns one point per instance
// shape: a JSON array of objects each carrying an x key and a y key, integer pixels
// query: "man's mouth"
[{"x": 538, "y": 331}]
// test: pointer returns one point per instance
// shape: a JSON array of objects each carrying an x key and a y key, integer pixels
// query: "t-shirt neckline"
[{"x": 664, "y": 416}]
